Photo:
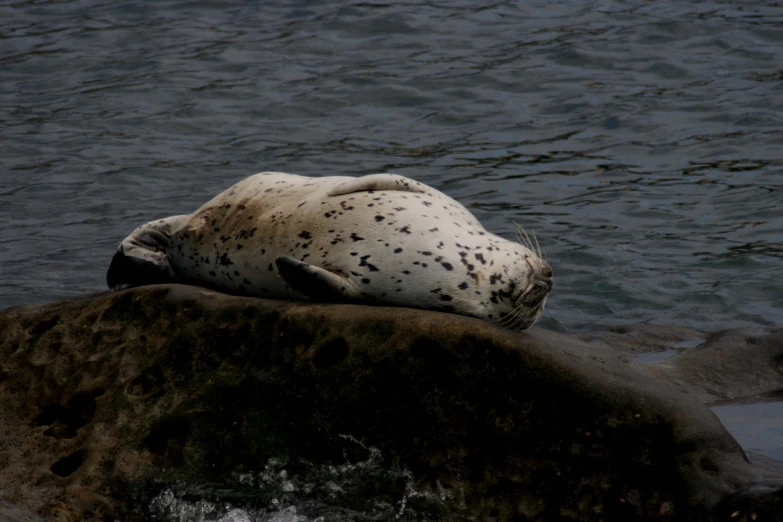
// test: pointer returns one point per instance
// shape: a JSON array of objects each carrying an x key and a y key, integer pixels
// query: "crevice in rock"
[
  {"x": 65, "y": 420},
  {"x": 42, "y": 327},
  {"x": 146, "y": 383},
  {"x": 68, "y": 465}
]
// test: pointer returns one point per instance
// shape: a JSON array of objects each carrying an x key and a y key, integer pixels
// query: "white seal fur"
[{"x": 383, "y": 239}]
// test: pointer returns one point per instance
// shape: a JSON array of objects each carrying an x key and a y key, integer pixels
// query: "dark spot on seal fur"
[
  {"x": 224, "y": 260},
  {"x": 305, "y": 234},
  {"x": 364, "y": 262},
  {"x": 355, "y": 237}
]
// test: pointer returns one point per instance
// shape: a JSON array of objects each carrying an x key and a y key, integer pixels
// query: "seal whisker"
[
  {"x": 519, "y": 317},
  {"x": 523, "y": 238},
  {"x": 517, "y": 314},
  {"x": 519, "y": 237},
  {"x": 502, "y": 320},
  {"x": 524, "y": 314},
  {"x": 529, "y": 311},
  {"x": 538, "y": 247},
  {"x": 509, "y": 317}
]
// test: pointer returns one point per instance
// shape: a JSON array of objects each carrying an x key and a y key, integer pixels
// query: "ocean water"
[{"x": 642, "y": 142}]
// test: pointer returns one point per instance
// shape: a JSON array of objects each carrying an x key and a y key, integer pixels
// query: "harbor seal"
[{"x": 382, "y": 239}]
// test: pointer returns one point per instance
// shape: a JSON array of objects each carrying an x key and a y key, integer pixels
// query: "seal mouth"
[
  {"x": 534, "y": 294},
  {"x": 540, "y": 283}
]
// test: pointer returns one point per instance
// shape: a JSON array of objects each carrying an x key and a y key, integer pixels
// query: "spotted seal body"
[{"x": 382, "y": 239}]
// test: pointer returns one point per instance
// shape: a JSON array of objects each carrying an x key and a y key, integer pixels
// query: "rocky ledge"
[{"x": 106, "y": 395}]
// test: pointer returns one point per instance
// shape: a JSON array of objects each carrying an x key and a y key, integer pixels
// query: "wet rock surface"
[{"x": 105, "y": 397}]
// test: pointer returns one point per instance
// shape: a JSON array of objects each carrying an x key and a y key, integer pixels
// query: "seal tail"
[{"x": 141, "y": 258}]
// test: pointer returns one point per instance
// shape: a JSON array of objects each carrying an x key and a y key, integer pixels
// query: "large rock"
[{"x": 104, "y": 394}]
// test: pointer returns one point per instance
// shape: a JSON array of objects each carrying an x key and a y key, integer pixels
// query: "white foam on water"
[{"x": 364, "y": 490}]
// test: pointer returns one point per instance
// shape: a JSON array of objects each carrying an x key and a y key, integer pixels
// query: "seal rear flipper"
[
  {"x": 141, "y": 258},
  {"x": 378, "y": 182},
  {"x": 314, "y": 282}
]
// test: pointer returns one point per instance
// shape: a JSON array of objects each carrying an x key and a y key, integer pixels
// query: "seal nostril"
[{"x": 547, "y": 271}]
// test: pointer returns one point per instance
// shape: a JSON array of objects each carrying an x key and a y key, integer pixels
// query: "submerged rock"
[{"x": 106, "y": 397}]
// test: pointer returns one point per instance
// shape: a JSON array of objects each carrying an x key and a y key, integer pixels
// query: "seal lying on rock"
[{"x": 383, "y": 239}]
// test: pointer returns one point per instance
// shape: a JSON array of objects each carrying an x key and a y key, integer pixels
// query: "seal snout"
[
  {"x": 540, "y": 273},
  {"x": 544, "y": 275}
]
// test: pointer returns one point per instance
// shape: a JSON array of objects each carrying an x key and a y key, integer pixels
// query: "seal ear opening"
[{"x": 314, "y": 282}]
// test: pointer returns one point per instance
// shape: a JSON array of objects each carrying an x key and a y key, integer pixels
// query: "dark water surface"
[{"x": 641, "y": 142}]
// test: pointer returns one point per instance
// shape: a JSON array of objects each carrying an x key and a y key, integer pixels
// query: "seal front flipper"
[
  {"x": 379, "y": 182},
  {"x": 141, "y": 258},
  {"x": 314, "y": 282}
]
